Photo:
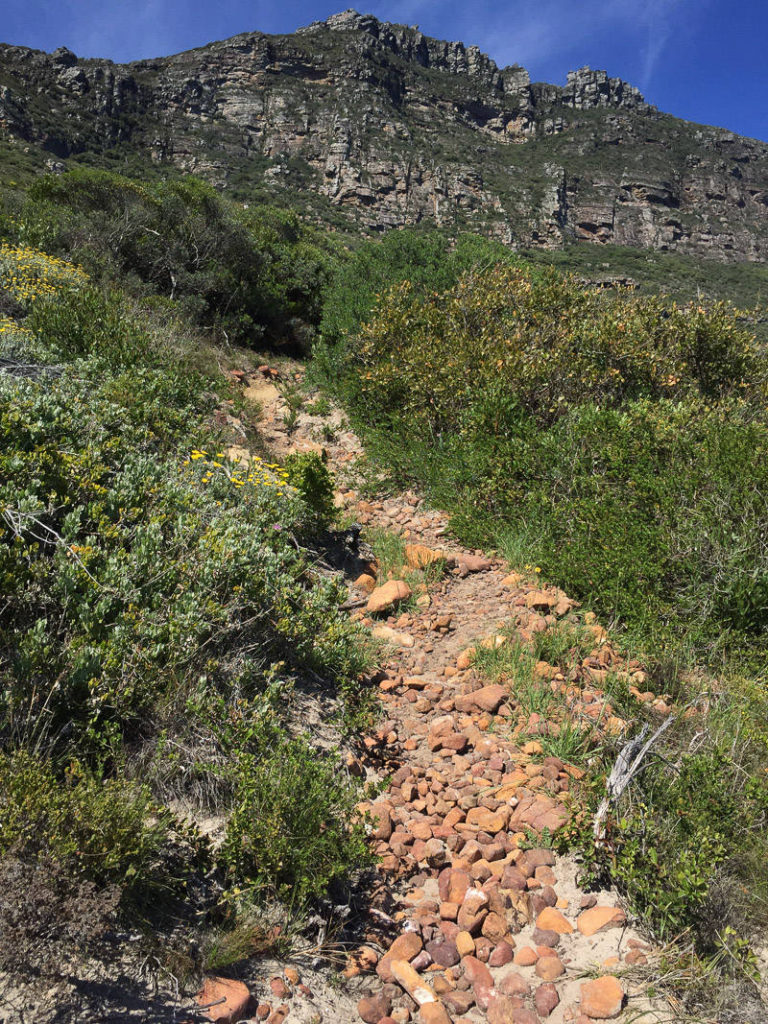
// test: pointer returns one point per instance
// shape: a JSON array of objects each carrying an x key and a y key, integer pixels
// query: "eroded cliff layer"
[{"x": 392, "y": 127}]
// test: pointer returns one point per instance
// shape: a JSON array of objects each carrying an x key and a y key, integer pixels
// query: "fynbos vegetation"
[
  {"x": 159, "y": 608},
  {"x": 618, "y": 442},
  {"x": 184, "y": 670}
]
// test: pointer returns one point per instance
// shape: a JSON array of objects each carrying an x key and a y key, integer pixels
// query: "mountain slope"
[{"x": 376, "y": 126}]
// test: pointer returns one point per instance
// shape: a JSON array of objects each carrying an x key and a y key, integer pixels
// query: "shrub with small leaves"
[
  {"x": 309, "y": 474},
  {"x": 293, "y": 827}
]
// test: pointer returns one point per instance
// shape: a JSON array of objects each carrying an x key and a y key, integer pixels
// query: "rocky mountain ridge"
[{"x": 375, "y": 126}]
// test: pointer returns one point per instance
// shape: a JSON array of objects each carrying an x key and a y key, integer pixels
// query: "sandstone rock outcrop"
[{"x": 391, "y": 127}]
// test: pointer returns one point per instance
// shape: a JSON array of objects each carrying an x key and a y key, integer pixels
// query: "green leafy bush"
[
  {"x": 431, "y": 261},
  {"x": 620, "y": 436},
  {"x": 307, "y": 472},
  {"x": 158, "y": 607},
  {"x": 545, "y": 344},
  {"x": 248, "y": 273},
  {"x": 90, "y": 512},
  {"x": 105, "y": 830},
  {"x": 87, "y": 322},
  {"x": 292, "y": 827}
]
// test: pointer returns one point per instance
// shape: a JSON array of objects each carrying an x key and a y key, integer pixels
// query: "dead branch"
[{"x": 627, "y": 765}]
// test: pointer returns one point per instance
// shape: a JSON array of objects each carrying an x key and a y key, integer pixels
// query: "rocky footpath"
[{"x": 472, "y": 917}]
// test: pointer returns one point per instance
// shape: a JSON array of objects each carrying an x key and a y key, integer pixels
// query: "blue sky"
[{"x": 699, "y": 59}]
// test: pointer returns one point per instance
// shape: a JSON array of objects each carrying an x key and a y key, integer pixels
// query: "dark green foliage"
[
  {"x": 249, "y": 273},
  {"x": 687, "y": 839},
  {"x": 430, "y": 260},
  {"x": 310, "y": 476},
  {"x": 290, "y": 830},
  {"x": 85, "y": 322},
  {"x": 104, "y": 830}
]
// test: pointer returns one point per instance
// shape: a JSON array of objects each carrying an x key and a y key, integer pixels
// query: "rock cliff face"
[{"x": 380, "y": 126}]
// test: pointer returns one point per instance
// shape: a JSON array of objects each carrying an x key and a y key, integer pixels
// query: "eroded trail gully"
[{"x": 474, "y": 917}]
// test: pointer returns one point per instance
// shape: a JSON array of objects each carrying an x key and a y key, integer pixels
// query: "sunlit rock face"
[{"x": 379, "y": 126}]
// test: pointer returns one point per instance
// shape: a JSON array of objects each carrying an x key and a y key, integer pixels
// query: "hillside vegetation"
[
  {"x": 160, "y": 610},
  {"x": 617, "y": 442},
  {"x": 163, "y": 613}
]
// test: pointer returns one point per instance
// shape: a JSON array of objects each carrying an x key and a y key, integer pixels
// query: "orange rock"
[
  {"x": 366, "y": 583},
  {"x": 603, "y": 998},
  {"x": 459, "y": 883},
  {"x": 235, "y": 995},
  {"x": 465, "y": 659},
  {"x": 387, "y": 596},
  {"x": 550, "y": 919},
  {"x": 548, "y": 968},
  {"x": 473, "y": 911},
  {"x": 408, "y": 979},
  {"x": 504, "y": 1010},
  {"x": 489, "y": 821},
  {"x": 495, "y": 927},
  {"x": 487, "y": 698},
  {"x": 539, "y": 600},
  {"x": 434, "y": 1013},
  {"x": 419, "y": 556},
  {"x": 599, "y": 919},
  {"x": 373, "y": 1008},
  {"x": 532, "y": 747},
  {"x": 481, "y": 980},
  {"x": 405, "y": 947},
  {"x": 392, "y": 636},
  {"x": 634, "y": 956},
  {"x": 525, "y": 957},
  {"x": 538, "y": 812}
]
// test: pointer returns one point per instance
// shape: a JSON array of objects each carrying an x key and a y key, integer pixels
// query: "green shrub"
[
  {"x": 292, "y": 830},
  {"x": 430, "y": 260},
  {"x": 311, "y": 477},
  {"x": 131, "y": 564},
  {"x": 158, "y": 605},
  {"x": 105, "y": 830},
  {"x": 542, "y": 343},
  {"x": 87, "y": 322},
  {"x": 629, "y": 432},
  {"x": 247, "y": 273}
]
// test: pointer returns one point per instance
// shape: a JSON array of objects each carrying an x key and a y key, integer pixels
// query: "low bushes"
[
  {"x": 622, "y": 437},
  {"x": 620, "y": 445},
  {"x": 248, "y": 274},
  {"x": 429, "y": 261},
  {"x": 290, "y": 828},
  {"x": 159, "y": 615},
  {"x": 103, "y": 830}
]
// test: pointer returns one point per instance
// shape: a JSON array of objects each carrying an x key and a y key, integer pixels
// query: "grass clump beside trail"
[
  {"x": 620, "y": 443},
  {"x": 160, "y": 613}
]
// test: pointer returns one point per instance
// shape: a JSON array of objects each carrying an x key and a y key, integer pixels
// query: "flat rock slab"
[{"x": 598, "y": 919}]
